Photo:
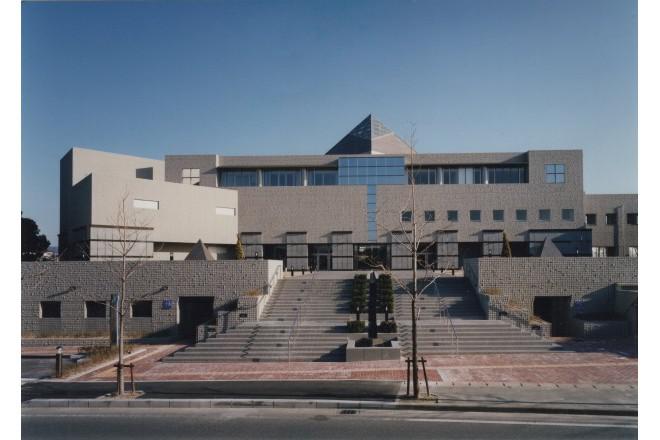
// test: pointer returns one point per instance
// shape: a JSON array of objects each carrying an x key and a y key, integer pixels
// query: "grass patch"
[{"x": 95, "y": 356}]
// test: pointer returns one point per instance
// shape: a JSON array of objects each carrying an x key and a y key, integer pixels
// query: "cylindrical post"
[
  {"x": 408, "y": 378},
  {"x": 58, "y": 362},
  {"x": 133, "y": 380},
  {"x": 426, "y": 379}
]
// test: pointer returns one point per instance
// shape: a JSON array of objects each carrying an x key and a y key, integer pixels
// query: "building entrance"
[
  {"x": 193, "y": 311},
  {"x": 556, "y": 310}
]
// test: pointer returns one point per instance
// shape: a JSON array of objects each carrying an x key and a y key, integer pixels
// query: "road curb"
[{"x": 587, "y": 409}]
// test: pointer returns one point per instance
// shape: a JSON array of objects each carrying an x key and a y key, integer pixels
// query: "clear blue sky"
[{"x": 269, "y": 77}]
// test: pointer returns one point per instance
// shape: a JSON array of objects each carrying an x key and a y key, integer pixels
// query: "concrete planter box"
[{"x": 356, "y": 354}]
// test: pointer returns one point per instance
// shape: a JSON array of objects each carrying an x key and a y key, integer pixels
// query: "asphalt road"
[
  {"x": 257, "y": 423},
  {"x": 218, "y": 389}
]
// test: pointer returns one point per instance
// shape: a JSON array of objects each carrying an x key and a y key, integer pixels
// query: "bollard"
[
  {"x": 292, "y": 271},
  {"x": 303, "y": 271},
  {"x": 452, "y": 271},
  {"x": 58, "y": 362}
]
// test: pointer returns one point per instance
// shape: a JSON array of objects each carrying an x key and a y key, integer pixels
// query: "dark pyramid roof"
[
  {"x": 370, "y": 137},
  {"x": 200, "y": 252},
  {"x": 550, "y": 249}
]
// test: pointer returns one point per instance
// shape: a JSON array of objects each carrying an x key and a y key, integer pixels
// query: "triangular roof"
[
  {"x": 200, "y": 252},
  {"x": 550, "y": 249},
  {"x": 370, "y": 137}
]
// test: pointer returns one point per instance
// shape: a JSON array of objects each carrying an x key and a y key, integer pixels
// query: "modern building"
[{"x": 350, "y": 208}]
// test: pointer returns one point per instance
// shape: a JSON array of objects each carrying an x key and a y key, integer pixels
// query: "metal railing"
[
  {"x": 451, "y": 330},
  {"x": 296, "y": 322}
]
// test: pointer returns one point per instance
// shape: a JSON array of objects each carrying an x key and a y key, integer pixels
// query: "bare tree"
[
  {"x": 410, "y": 238},
  {"x": 125, "y": 261}
]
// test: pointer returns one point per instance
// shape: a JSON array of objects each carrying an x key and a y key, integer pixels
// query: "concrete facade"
[{"x": 163, "y": 283}]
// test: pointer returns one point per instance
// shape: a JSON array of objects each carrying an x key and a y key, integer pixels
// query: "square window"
[
  {"x": 632, "y": 218},
  {"x": 185, "y": 172},
  {"x": 141, "y": 309},
  {"x": 406, "y": 216},
  {"x": 475, "y": 215},
  {"x": 555, "y": 173},
  {"x": 50, "y": 309},
  {"x": 94, "y": 309},
  {"x": 452, "y": 216},
  {"x": 610, "y": 219},
  {"x": 429, "y": 216},
  {"x": 544, "y": 215},
  {"x": 591, "y": 219},
  {"x": 568, "y": 215},
  {"x": 498, "y": 215},
  {"x": 521, "y": 215}
]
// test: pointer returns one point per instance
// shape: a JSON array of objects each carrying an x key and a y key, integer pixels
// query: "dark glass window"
[
  {"x": 230, "y": 178},
  {"x": 450, "y": 176},
  {"x": 429, "y": 216},
  {"x": 610, "y": 219},
  {"x": 282, "y": 178},
  {"x": 498, "y": 215},
  {"x": 507, "y": 175},
  {"x": 452, "y": 216},
  {"x": 567, "y": 215},
  {"x": 475, "y": 215},
  {"x": 591, "y": 219},
  {"x": 477, "y": 175},
  {"x": 141, "y": 309},
  {"x": 544, "y": 215},
  {"x": 406, "y": 216},
  {"x": 555, "y": 173},
  {"x": 424, "y": 176},
  {"x": 51, "y": 309},
  {"x": 321, "y": 177},
  {"x": 94, "y": 309},
  {"x": 632, "y": 218},
  {"x": 521, "y": 215},
  {"x": 372, "y": 171}
]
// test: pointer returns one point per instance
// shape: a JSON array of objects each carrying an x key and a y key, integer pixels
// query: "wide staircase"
[
  {"x": 304, "y": 320},
  {"x": 450, "y": 321}
]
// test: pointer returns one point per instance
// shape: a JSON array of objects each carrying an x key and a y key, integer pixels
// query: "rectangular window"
[
  {"x": 544, "y": 215},
  {"x": 94, "y": 309},
  {"x": 555, "y": 173},
  {"x": 568, "y": 215},
  {"x": 221, "y": 210},
  {"x": 477, "y": 175},
  {"x": 145, "y": 204},
  {"x": 507, "y": 175},
  {"x": 632, "y": 218},
  {"x": 498, "y": 215},
  {"x": 429, "y": 216},
  {"x": 190, "y": 176},
  {"x": 475, "y": 215},
  {"x": 282, "y": 178},
  {"x": 591, "y": 219},
  {"x": 141, "y": 309},
  {"x": 321, "y": 177},
  {"x": 50, "y": 309},
  {"x": 450, "y": 176},
  {"x": 598, "y": 251},
  {"x": 406, "y": 216},
  {"x": 610, "y": 219},
  {"x": 452, "y": 216},
  {"x": 424, "y": 176},
  {"x": 521, "y": 215},
  {"x": 632, "y": 251},
  {"x": 236, "y": 178}
]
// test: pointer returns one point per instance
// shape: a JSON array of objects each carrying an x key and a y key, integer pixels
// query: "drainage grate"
[{"x": 348, "y": 411}]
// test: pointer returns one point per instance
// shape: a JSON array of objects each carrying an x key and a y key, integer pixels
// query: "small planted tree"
[
  {"x": 238, "y": 248},
  {"x": 506, "y": 246},
  {"x": 385, "y": 293},
  {"x": 360, "y": 293}
]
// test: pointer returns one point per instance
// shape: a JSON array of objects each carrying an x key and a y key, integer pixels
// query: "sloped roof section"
[
  {"x": 200, "y": 252},
  {"x": 550, "y": 249},
  {"x": 370, "y": 137}
]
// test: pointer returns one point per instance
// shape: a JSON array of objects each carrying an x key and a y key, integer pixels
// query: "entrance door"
[
  {"x": 322, "y": 262},
  {"x": 556, "y": 310},
  {"x": 193, "y": 311}
]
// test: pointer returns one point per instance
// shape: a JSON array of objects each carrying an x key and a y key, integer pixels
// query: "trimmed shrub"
[
  {"x": 355, "y": 326},
  {"x": 385, "y": 294},
  {"x": 387, "y": 327},
  {"x": 360, "y": 294}
]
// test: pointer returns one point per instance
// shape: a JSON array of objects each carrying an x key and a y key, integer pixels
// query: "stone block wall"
[{"x": 73, "y": 282}]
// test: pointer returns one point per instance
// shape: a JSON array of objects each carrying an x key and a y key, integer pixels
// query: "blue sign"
[{"x": 167, "y": 304}]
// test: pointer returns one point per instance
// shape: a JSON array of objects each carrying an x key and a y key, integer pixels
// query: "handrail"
[
  {"x": 451, "y": 330},
  {"x": 296, "y": 322}
]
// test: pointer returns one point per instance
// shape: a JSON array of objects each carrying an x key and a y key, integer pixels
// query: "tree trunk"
[
  {"x": 120, "y": 343},
  {"x": 415, "y": 377}
]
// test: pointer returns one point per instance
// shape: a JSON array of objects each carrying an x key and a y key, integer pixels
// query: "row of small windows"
[
  {"x": 610, "y": 219},
  {"x": 544, "y": 215},
  {"x": 468, "y": 176},
  {"x": 94, "y": 309}
]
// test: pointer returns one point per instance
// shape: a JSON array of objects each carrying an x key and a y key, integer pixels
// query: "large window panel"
[
  {"x": 282, "y": 178},
  {"x": 231, "y": 178}
]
